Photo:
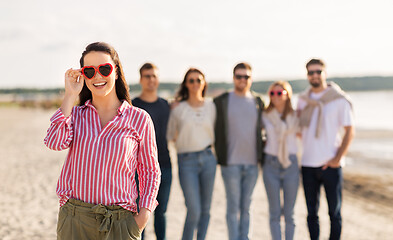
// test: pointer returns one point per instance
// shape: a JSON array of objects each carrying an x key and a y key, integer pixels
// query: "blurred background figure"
[
  {"x": 158, "y": 109},
  {"x": 239, "y": 148},
  {"x": 191, "y": 126},
  {"x": 280, "y": 169},
  {"x": 324, "y": 113}
]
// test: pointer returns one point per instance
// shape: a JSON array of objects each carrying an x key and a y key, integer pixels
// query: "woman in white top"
[
  {"x": 280, "y": 170},
  {"x": 191, "y": 126}
]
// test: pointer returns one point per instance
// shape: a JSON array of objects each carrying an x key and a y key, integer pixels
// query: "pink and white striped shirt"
[{"x": 101, "y": 162}]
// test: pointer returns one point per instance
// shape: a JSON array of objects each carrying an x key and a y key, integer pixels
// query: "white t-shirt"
[
  {"x": 272, "y": 142},
  {"x": 335, "y": 115},
  {"x": 192, "y": 128}
]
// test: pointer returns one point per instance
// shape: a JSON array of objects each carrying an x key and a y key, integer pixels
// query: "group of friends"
[{"x": 118, "y": 169}]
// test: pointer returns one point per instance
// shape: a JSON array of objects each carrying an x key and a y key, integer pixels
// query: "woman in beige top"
[
  {"x": 281, "y": 171},
  {"x": 191, "y": 126}
]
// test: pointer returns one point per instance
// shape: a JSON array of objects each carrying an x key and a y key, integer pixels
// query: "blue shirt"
[{"x": 159, "y": 113}]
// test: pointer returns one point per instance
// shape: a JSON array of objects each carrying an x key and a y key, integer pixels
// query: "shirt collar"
[
  {"x": 123, "y": 107},
  {"x": 88, "y": 104}
]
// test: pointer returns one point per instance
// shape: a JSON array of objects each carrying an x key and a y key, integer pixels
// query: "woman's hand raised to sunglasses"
[
  {"x": 73, "y": 82},
  {"x": 73, "y": 86}
]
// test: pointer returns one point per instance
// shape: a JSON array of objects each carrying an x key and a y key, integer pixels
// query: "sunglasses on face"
[
  {"x": 198, "y": 80},
  {"x": 239, "y": 77},
  {"x": 310, "y": 73},
  {"x": 278, "y": 93},
  {"x": 104, "y": 69}
]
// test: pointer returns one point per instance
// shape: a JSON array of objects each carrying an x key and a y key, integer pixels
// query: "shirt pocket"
[{"x": 124, "y": 144}]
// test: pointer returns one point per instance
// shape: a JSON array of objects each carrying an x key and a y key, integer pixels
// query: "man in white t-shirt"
[{"x": 324, "y": 111}]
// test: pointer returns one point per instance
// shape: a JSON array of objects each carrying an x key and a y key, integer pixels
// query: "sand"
[{"x": 29, "y": 205}]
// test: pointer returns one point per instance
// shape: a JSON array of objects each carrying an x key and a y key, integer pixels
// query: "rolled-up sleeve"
[
  {"x": 148, "y": 167},
  {"x": 60, "y": 133}
]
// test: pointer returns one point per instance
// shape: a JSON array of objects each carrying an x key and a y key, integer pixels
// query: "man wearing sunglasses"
[
  {"x": 239, "y": 147},
  {"x": 324, "y": 110},
  {"x": 158, "y": 109}
]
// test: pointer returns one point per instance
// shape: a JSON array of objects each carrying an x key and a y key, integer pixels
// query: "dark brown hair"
[
  {"x": 183, "y": 94},
  {"x": 147, "y": 66},
  {"x": 242, "y": 65},
  {"x": 288, "y": 104},
  {"x": 315, "y": 61},
  {"x": 122, "y": 90}
]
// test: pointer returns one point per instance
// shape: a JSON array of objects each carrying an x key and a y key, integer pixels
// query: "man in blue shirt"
[{"x": 158, "y": 109}]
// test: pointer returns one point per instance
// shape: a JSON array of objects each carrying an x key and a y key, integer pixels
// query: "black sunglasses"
[
  {"x": 198, "y": 80},
  {"x": 310, "y": 73},
  {"x": 239, "y": 77}
]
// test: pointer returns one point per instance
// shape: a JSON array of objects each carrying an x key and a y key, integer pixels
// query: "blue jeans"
[
  {"x": 239, "y": 181},
  {"x": 276, "y": 178},
  {"x": 162, "y": 199},
  {"x": 331, "y": 179},
  {"x": 197, "y": 171}
]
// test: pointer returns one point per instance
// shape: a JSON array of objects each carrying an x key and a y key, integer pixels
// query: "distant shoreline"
[{"x": 366, "y": 83}]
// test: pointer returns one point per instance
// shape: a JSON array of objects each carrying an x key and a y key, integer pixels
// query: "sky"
[{"x": 41, "y": 39}]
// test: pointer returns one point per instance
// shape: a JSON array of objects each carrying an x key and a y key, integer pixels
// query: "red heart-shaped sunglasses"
[{"x": 104, "y": 69}]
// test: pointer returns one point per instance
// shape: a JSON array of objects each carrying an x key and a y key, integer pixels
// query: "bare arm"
[{"x": 348, "y": 136}]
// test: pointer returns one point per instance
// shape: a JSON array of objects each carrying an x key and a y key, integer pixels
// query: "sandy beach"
[{"x": 29, "y": 205}]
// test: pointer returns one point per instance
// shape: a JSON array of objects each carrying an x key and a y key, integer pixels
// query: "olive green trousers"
[{"x": 79, "y": 221}]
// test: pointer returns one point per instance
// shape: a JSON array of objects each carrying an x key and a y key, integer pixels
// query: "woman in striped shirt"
[
  {"x": 191, "y": 125},
  {"x": 108, "y": 141}
]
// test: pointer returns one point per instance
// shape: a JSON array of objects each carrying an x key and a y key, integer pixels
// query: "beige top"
[
  {"x": 192, "y": 128},
  {"x": 281, "y": 135},
  {"x": 332, "y": 93}
]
